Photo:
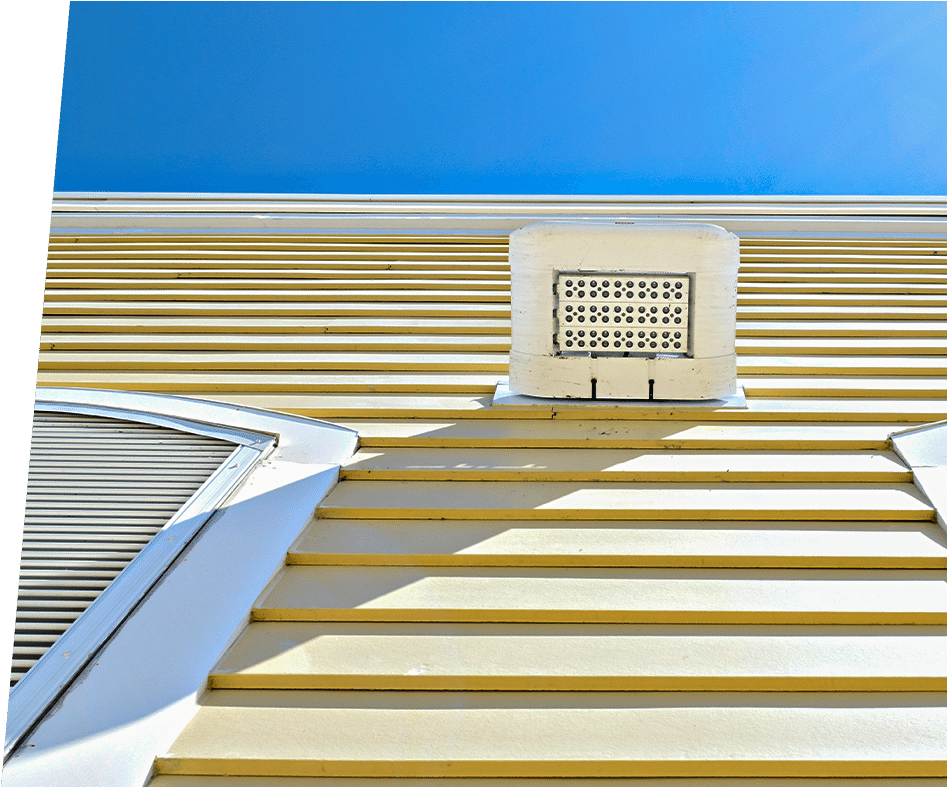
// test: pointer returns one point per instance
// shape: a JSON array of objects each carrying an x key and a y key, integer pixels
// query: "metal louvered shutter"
[{"x": 99, "y": 490}]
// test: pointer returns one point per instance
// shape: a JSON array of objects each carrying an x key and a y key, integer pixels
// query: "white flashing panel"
[
  {"x": 134, "y": 697},
  {"x": 623, "y": 310}
]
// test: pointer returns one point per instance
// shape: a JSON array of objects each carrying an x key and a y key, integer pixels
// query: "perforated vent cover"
[{"x": 621, "y": 313}]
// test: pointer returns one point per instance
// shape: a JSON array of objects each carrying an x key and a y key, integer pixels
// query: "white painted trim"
[
  {"x": 740, "y": 214},
  {"x": 505, "y": 398},
  {"x": 58, "y": 667},
  {"x": 142, "y": 687},
  {"x": 452, "y": 225},
  {"x": 300, "y": 439},
  {"x": 241, "y": 437},
  {"x": 923, "y": 449}
]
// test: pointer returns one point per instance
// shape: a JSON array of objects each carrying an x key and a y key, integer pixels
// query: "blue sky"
[{"x": 505, "y": 98}]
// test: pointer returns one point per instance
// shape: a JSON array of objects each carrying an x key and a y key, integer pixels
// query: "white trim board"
[
  {"x": 56, "y": 669},
  {"x": 142, "y": 687},
  {"x": 810, "y": 214},
  {"x": 844, "y": 226},
  {"x": 923, "y": 449}
]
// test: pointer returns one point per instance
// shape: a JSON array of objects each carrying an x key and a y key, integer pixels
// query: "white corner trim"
[
  {"x": 142, "y": 687},
  {"x": 923, "y": 448}
]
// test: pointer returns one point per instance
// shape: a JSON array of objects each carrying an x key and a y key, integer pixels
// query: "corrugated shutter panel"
[{"x": 99, "y": 490}]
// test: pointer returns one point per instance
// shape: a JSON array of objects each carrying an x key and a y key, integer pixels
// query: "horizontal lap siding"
[{"x": 702, "y": 571}]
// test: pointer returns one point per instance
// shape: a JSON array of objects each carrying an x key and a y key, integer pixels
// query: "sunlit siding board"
[
  {"x": 367, "y": 343},
  {"x": 592, "y": 464},
  {"x": 840, "y": 328},
  {"x": 839, "y": 364},
  {"x": 640, "y": 543},
  {"x": 345, "y": 308},
  {"x": 621, "y": 434},
  {"x": 133, "y": 330},
  {"x": 380, "y": 656},
  {"x": 567, "y": 735},
  {"x": 625, "y": 501},
  {"x": 396, "y": 359},
  {"x": 247, "y": 330},
  {"x": 804, "y": 312},
  {"x": 264, "y": 359},
  {"x": 192, "y": 780},
  {"x": 105, "y": 310},
  {"x": 254, "y": 277},
  {"x": 452, "y": 292}
]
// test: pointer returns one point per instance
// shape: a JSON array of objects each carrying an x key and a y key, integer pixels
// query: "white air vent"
[{"x": 623, "y": 310}]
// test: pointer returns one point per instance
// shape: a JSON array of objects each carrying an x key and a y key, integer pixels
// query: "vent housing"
[{"x": 623, "y": 310}]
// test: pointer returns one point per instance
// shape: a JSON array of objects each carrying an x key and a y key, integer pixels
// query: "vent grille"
[
  {"x": 621, "y": 313},
  {"x": 99, "y": 490}
]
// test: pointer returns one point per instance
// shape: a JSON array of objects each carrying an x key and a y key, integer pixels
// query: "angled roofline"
[{"x": 141, "y": 687}]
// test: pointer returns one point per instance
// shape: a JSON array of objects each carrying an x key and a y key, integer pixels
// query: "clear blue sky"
[{"x": 573, "y": 98}]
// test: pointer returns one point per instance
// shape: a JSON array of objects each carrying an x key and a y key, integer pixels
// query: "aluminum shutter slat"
[{"x": 99, "y": 490}]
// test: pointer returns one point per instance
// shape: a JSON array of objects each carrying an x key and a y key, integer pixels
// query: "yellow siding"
[{"x": 649, "y": 596}]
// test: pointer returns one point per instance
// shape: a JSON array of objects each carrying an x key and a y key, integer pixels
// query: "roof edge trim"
[
  {"x": 922, "y": 448},
  {"x": 55, "y": 671}
]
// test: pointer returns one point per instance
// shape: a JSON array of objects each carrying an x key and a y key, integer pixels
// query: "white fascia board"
[
  {"x": 508, "y": 206},
  {"x": 919, "y": 216},
  {"x": 143, "y": 686},
  {"x": 844, "y": 226}
]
